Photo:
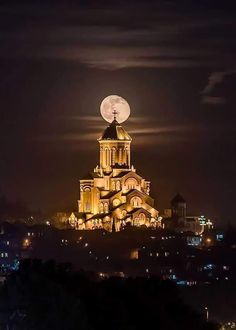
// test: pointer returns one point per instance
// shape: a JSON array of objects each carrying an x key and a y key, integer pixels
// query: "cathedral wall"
[
  {"x": 85, "y": 203},
  {"x": 95, "y": 197},
  {"x": 99, "y": 182}
]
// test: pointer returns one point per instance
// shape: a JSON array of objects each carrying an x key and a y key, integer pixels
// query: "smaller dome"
[{"x": 115, "y": 132}]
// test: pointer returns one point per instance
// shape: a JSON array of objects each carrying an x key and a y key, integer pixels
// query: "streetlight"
[{"x": 207, "y": 313}]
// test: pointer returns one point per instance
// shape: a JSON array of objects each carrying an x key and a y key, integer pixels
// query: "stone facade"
[{"x": 114, "y": 195}]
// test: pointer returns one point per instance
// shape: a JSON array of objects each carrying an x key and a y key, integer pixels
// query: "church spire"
[{"x": 114, "y": 112}]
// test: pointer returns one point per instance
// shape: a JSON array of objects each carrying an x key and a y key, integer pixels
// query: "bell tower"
[{"x": 114, "y": 146}]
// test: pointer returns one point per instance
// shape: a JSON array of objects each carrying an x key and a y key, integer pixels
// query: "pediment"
[
  {"x": 141, "y": 210},
  {"x": 136, "y": 192},
  {"x": 132, "y": 174}
]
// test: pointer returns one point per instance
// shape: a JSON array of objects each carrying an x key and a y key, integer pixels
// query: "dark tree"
[{"x": 54, "y": 296}]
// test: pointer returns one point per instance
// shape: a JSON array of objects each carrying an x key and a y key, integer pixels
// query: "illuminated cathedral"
[{"x": 114, "y": 195}]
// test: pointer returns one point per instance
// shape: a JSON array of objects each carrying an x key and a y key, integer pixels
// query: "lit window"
[
  {"x": 167, "y": 254},
  {"x": 136, "y": 201},
  {"x": 157, "y": 254},
  {"x": 150, "y": 254}
]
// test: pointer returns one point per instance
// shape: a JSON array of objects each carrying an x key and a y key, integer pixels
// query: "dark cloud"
[
  {"x": 127, "y": 35},
  {"x": 220, "y": 88}
]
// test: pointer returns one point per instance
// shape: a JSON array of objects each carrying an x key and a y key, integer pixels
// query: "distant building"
[
  {"x": 178, "y": 207},
  {"x": 177, "y": 219}
]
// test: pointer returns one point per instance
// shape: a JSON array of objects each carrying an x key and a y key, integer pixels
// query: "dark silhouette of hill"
[
  {"x": 10, "y": 210},
  {"x": 53, "y": 296}
]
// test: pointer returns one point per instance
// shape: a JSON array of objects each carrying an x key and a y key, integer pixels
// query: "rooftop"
[{"x": 115, "y": 132}]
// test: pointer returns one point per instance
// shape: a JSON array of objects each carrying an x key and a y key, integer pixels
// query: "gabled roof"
[
  {"x": 110, "y": 194},
  {"x": 115, "y": 132},
  {"x": 78, "y": 214},
  {"x": 136, "y": 191},
  {"x": 90, "y": 176},
  {"x": 118, "y": 206},
  {"x": 124, "y": 173},
  {"x": 139, "y": 209},
  {"x": 121, "y": 166},
  {"x": 99, "y": 216},
  {"x": 121, "y": 174}
]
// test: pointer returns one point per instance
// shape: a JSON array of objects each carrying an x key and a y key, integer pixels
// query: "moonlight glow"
[{"x": 114, "y": 105}]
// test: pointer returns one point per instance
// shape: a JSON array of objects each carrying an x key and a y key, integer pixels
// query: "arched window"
[
  {"x": 120, "y": 155},
  {"x": 136, "y": 221},
  {"x": 118, "y": 185},
  {"x": 113, "y": 185},
  {"x": 113, "y": 156},
  {"x": 87, "y": 198},
  {"x": 142, "y": 219},
  {"x": 106, "y": 210},
  {"x": 86, "y": 188},
  {"x": 101, "y": 153},
  {"x": 131, "y": 183},
  {"x": 101, "y": 208},
  {"x": 136, "y": 201},
  {"x": 126, "y": 155},
  {"x": 107, "y": 156}
]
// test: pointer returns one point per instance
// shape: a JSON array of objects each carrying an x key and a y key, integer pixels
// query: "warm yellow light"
[
  {"x": 134, "y": 254},
  {"x": 26, "y": 242}
]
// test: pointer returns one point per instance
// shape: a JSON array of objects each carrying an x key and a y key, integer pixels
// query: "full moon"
[{"x": 115, "y": 107}]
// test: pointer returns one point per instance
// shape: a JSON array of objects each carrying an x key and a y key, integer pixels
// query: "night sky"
[{"x": 173, "y": 61}]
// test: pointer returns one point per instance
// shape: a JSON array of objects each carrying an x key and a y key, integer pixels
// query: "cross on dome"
[{"x": 114, "y": 112}]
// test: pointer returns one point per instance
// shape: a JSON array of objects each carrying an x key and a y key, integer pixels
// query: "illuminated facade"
[{"x": 114, "y": 195}]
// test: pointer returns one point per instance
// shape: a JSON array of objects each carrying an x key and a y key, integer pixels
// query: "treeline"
[
  {"x": 54, "y": 296},
  {"x": 15, "y": 210}
]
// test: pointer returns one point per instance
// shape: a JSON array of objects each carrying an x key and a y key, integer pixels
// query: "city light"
[{"x": 26, "y": 243}]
